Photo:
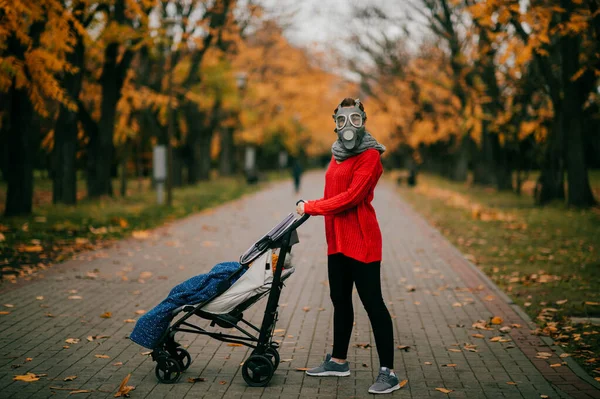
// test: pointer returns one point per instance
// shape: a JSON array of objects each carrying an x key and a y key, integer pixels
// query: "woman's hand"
[{"x": 300, "y": 208}]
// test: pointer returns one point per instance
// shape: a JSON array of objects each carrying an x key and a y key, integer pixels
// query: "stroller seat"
[{"x": 248, "y": 289}]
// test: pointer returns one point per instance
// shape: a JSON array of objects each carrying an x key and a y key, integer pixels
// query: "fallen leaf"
[
  {"x": 495, "y": 339},
  {"x": 302, "y": 368},
  {"x": 145, "y": 275},
  {"x": 561, "y": 302},
  {"x": 102, "y": 356},
  {"x": 79, "y": 391},
  {"x": 428, "y": 363},
  {"x": 196, "y": 379},
  {"x": 511, "y": 383},
  {"x": 444, "y": 390},
  {"x": 497, "y": 320},
  {"x": 478, "y": 335},
  {"x": 563, "y": 355},
  {"x": 124, "y": 389},
  {"x": 70, "y": 378},
  {"x": 489, "y": 298},
  {"x": 9, "y": 305},
  {"x": 279, "y": 330},
  {"x": 140, "y": 311},
  {"x": 28, "y": 359},
  {"x": 118, "y": 364},
  {"x": 403, "y": 383},
  {"x": 592, "y": 303},
  {"x": 403, "y": 347},
  {"x": 106, "y": 315},
  {"x": 505, "y": 329},
  {"x": 31, "y": 248},
  {"x": 454, "y": 350},
  {"x": 410, "y": 288},
  {"x": 29, "y": 377},
  {"x": 544, "y": 396},
  {"x": 234, "y": 344},
  {"x": 75, "y": 297},
  {"x": 129, "y": 321},
  {"x": 140, "y": 234},
  {"x": 457, "y": 304},
  {"x": 555, "y": 365},
  {"x": 222, "y": 382},
  {"x": 146, "y": 353},
  {"x": 39, "y": 298},
  {"x": 72, "y": 340},
  {"x": 4, "y": 312},
  {"x": 306, "y": 308},
  {"x": 449, "y": 365}
]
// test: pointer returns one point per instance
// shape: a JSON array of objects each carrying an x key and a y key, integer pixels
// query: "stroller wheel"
[
  {"x": 273, "y": 356},
  {"x": 257, "y": 371},
  {"x": 167, "y": 370},
  {"x": 183, "y": 358}
]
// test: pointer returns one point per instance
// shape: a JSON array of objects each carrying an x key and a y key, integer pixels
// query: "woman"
[{"x": 354, "y": 243}]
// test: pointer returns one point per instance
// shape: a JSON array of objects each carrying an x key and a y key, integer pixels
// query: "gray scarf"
[{"x": 340, "y": 153}]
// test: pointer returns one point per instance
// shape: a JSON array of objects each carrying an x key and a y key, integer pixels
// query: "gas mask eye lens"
[
  {"x": 340, "y": 121},
  {"x": 356, "y": 120}
]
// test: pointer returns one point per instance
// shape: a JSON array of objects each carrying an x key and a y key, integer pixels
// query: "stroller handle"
[{"x": 300, "y": 221}]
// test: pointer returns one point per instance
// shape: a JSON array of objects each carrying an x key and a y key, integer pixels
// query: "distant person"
[
  {"x": 297, "y": 174},
  {"x": 354, "y": 243}
]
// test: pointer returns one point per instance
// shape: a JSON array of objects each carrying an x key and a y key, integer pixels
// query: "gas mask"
[{"x": 350, "y": 125}]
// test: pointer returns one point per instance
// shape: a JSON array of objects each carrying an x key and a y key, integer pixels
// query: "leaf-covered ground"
[
  {"x": 547, "y": 259},
  {"x": 54, "y": 233}
]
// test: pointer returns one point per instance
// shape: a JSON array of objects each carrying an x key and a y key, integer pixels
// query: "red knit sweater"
[{"x": 351, "y": 225}]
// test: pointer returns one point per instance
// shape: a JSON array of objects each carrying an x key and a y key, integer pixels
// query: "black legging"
[{"x": 344, "y": 272}]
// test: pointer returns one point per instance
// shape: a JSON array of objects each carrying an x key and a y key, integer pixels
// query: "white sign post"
[
  {"x": 283, "y": 159},
  {"x": 159, "y": 171}
]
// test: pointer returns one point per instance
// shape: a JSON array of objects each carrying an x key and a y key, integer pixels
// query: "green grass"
[
  {"x": 55, "y": 232},
  {"x": 539, "y": 256}
]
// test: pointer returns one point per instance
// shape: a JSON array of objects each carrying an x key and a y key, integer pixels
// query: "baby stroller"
[{"x": 225, "y": 308}]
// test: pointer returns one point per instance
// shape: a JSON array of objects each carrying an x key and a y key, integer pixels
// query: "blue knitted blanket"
[{"x": 150, "y": 327}]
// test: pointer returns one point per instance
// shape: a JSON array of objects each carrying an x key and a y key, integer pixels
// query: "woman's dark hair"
[{"x": 349, "y": 102}]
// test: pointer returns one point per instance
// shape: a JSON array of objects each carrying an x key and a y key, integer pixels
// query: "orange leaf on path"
[
  {"x": 124, "y": 389},
  {"x": 444, "y": 390}
]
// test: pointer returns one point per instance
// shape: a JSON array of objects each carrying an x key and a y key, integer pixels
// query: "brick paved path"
[{"x": 434, "y": 320}]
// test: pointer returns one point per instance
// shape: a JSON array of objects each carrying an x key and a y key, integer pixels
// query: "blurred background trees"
[{"x": 478, "y": 90}]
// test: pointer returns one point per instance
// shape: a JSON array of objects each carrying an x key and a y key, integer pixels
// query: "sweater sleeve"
[{"x": 362, "y": 180}]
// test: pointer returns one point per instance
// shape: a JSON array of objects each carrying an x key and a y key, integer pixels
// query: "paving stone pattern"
[{"x": 434, "y": 320}]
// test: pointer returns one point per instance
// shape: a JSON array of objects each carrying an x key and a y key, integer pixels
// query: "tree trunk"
[
  {"x": 64, "y": 188},
  {"x": 19, "y": 177},
  {"x": 502, "y": 166},
  {"x": 550, "y": 184},
  {"x": 461, "y": 162},
  {"x": 575, "y": 94},
  {"x": 227, "y": 150},
  {"x": 579, "y": 190},
  {"x": 483, "y": 170}
]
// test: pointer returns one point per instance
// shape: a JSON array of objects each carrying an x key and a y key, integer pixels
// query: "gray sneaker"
[
  {"x": 385, "y": 383},
  {"x": 330, "y": 368}
]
